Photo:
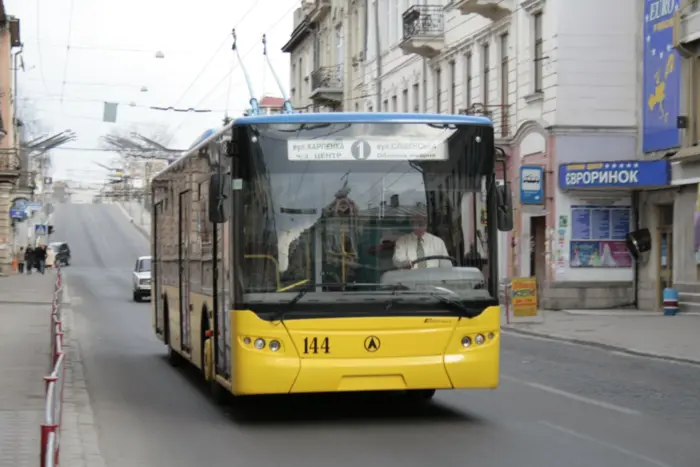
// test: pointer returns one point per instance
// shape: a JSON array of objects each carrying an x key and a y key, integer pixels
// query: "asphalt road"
[{"x": 558, "y": 404}]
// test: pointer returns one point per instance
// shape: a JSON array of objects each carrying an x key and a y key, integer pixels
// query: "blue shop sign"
[
  {"x": 617, "y": 174},
  {"x": 531, "y": 184}
]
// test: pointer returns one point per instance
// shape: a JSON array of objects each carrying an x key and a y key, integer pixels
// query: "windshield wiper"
[
  {"x": 455, "y": 304},
  {"x": 280, "y": 314},
  {"x": 450, "y": 302}
]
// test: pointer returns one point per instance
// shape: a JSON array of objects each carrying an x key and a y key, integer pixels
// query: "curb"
[
  {"x": 599, "y": 345},
  {"x": 141, "y": 230}
]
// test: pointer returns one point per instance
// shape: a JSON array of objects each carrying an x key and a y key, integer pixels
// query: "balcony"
[
  {"x": 320, "y": 10},
  {"x": 423, "y": 31},
  {"x": 327, "y": 85},
  {"x": 689, "y": 26},
  {"x": 495, "y": 10}
]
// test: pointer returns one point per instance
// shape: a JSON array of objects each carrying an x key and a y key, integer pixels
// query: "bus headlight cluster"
[
  {"x": 259, "y": 343},
  {"x": 479, "y": 339}
]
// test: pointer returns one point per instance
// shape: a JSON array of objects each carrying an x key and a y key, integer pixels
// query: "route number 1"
[{"x": 314, "y": 344}]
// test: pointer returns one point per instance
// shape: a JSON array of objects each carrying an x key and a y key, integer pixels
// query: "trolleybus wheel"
[
  {"x": 174, "y": 358},
  {"x": 420, "y": 395},
  {"x": 219, "y": 394}
]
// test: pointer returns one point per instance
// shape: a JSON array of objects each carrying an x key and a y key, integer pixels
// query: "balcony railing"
[
  {"x": 327, "y": 78},
  {"x": 423, "y": 21}
]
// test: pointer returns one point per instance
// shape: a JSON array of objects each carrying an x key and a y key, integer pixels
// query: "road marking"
[
  {"x": 614, "y": 447},
  {"x": 572, "y": 396}
]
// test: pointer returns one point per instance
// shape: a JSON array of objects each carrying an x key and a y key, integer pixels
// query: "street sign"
[{"x": 40, "y": 229}]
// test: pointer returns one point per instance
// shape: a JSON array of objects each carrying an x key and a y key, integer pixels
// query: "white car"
[{"x": 141, "y": 278}]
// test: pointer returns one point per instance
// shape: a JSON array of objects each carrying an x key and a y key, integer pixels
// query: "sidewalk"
[
  {"x": 138, "y": 215},
  {"x": 25, "y": 313},
  {"x": 635, "y": 332}
]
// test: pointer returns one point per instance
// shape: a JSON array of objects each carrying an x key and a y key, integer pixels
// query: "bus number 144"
[{"x": 315, "y": 345}]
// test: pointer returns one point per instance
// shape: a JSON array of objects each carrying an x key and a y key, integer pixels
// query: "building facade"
[
  {"x": 327, "y": 53},
  {"x": 10, "y": 165},
  {"x": 559, "y": 80},
  {"x": 670, "y": 131}
]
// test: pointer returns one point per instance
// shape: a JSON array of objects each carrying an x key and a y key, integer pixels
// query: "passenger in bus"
[{"x": 419, "y": 244}]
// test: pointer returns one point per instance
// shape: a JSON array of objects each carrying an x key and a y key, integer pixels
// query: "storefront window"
[{"x": 598, "y": 237}]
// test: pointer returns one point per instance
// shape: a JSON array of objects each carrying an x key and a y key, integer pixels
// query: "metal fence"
[{"x": 51, "y": 428}]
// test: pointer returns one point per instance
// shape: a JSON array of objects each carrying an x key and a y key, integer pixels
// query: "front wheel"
[
  {"x": 136, "y": 296},
  {"x": 420, "y": 395}
]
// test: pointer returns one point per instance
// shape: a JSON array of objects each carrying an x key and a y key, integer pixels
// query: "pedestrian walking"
[
  {"x": 50, "y": 257},
  {"x": 40, "y": 254},
  {"x": 29, "y": 259},
  {"x": 19, "y": 256}
]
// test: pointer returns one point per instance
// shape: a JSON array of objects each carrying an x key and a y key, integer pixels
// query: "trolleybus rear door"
[{"x": 184, "y": 226}]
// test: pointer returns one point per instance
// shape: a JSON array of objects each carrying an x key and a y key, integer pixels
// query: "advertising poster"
[
  {"x": 524, "y": 290},
  {"x": 598, "y": 237},
  {"x": 662, "y": 77},
  {"x": 600, "y": 255}
]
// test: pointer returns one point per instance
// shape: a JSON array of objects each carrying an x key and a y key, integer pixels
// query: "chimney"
[{"x": 394, "y": 201}]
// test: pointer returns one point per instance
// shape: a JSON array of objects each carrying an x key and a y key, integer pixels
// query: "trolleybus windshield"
[{"x": 365, "y": 210}]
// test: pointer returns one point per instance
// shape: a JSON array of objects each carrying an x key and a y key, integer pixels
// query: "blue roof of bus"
[{"x": 363, "y": 117}]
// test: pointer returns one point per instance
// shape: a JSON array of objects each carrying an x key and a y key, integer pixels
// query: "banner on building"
[{"x": 662, "y": 77}]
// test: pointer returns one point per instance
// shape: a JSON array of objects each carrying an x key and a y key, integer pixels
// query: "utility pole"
[{"x": 378, "y": 44}]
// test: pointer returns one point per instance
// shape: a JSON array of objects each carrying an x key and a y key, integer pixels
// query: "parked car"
[
  {"x": 141, "y": 278},
  {"x": 62, "y": 252}
]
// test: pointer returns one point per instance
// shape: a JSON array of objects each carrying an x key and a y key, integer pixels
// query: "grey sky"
[{"x": 112, "y": 56}]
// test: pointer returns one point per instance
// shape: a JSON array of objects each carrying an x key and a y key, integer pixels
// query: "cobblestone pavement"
[{"x": 25, "y": 313}]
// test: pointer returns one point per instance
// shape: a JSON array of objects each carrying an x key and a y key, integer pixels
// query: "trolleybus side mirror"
[
  {"x": 504, "y": 208},
  {"x": 219, "y": 189}
]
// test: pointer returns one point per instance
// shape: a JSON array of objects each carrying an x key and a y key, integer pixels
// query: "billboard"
[{"x": 662, "y": 77}]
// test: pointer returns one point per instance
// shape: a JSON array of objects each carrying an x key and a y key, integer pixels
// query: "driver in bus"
[{"x": 419, "y": 244}]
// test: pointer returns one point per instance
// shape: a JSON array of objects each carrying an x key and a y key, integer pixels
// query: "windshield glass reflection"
[{"x": 319, "y": 219}]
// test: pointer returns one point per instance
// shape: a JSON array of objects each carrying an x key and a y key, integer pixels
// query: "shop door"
[{"x": 664, "y": 261}]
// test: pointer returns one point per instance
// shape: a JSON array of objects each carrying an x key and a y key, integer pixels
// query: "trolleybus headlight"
[
  {"x": 466, "y": 341},
  {"x": 259, "y": 343},
  {"x": 246, "y": 340},
  {"x": 479, "y": 339},
  {"x": 274, "y": 346}
]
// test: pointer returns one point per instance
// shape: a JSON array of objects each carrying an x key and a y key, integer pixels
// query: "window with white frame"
[
  {"x": 385, "y": 105},
  {"x": 416, "y": 97},
  {"x": 438, "y": 90},
  {"x": 453, "y": 87},
  {"x": 468, "y": 64},
  {"x": 504, "y": 69},
  {"x": 404, "y": 101},
  {"x": 486, "y": 62},
  {"x": 394, "y": 104},
  {"x": 538, "y": 55}
]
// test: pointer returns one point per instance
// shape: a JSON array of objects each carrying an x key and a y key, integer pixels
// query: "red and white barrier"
[{"x": 51, "y": 428}]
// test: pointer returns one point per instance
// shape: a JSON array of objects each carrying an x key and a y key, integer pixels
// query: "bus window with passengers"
[{"x": 341, "y": 213}]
